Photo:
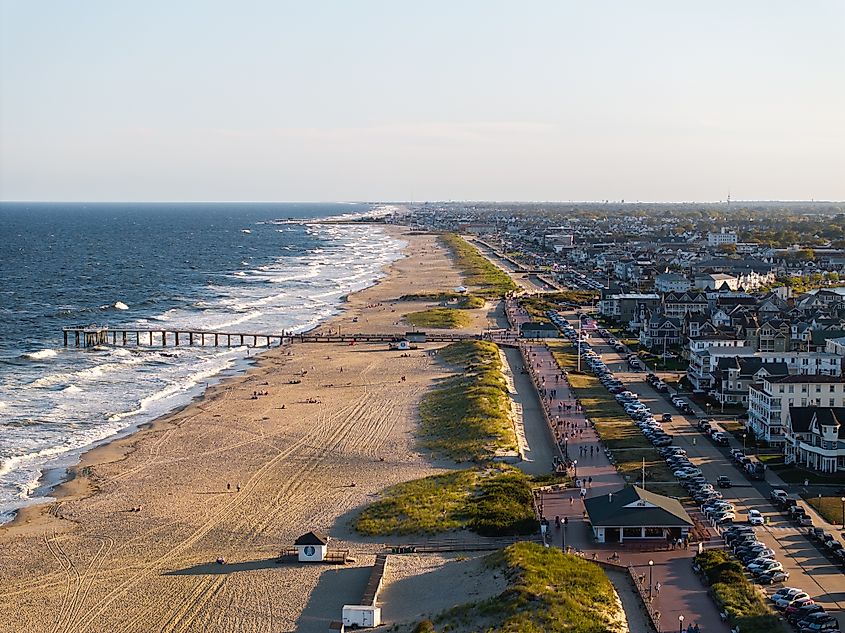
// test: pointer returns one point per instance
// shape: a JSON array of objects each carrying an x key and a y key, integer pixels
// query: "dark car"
[
  {"x": 667, "y": 417},
  {"x": 723, "y": 481},
  {"x": 815, "y": 534},
  {"x": 804, "y": 611}
]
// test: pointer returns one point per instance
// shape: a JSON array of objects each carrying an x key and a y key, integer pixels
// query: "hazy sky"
[{"x": 401, "y": 100}]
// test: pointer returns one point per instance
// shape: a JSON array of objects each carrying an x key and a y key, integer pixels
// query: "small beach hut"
[
  {"x": 311, "y": 547},
  {"x": 400, "y": 343}
]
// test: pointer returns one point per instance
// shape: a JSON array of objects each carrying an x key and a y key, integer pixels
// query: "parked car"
[
  {"x": 804, "y": 611},
  {"x": 764, "y": 565},
  {"x": 755, "y": 518},
  {"x": 789, "y": 597},
  {"x": 771, "y": 577}
]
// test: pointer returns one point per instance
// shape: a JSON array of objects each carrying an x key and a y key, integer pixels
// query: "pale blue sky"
[{"x": 394, "y": 100}]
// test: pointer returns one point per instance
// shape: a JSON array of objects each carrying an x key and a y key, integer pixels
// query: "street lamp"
[
  {"x": 575, "y": 466},
  {"x": 650, "y": 584},
  {"x": 843, "y": 511},
  {"x": 744, "y": 435},
  {"x": 680, "y": 624}
]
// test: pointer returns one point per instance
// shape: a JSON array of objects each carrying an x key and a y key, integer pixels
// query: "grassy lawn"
[
  {"x": 443, "y": 318},
  {"x": 829, "y": 507},
  {"x": 616, "y": 429},
  {"x": 460, "y": 300},
  {"x": 489, "y": 279},
  {"x": 467, "y": 416},
  {"x": 494, "y": 502},
  {"x": 539, "y": 305},
  {"x": 548, "y": 591},
  {"x": 794, "y": 475},
  {"x": 735, "y": 594}
]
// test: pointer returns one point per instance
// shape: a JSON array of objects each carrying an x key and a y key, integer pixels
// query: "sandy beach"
[{"x": 131, "y": 541}]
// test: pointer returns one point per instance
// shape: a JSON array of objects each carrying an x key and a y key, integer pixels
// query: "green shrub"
[{"x": 734, "y": 593}]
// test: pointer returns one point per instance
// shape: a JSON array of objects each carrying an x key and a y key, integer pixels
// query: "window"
[
  {"x": 818, "y": 388},
  {"x": 791, "y": 388},
  {"x": 831, "y": 402},
  {"x": 803, "y": 402},
  {"x": 653, "y": 531},
  {"x": 632, "y": 532},
  {"x": 803, "y": 388},
  {"x": 832, "y": 389}
]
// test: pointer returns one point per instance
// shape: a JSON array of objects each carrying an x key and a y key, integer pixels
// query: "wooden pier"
[{"x": 93, "y": 336}]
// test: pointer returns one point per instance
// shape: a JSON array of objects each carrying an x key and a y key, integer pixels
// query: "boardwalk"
[{"x": 681, "y": 592}]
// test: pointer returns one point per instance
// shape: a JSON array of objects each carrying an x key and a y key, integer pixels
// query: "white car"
[
  {"x": 784, "y": 592},
  {"x": 755, "y": 518},
  {"x": 789, "y": 598},
  {"x": 722, "y": 517}
]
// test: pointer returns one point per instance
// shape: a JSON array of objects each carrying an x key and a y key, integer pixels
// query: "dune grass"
[
  {"x": 467, "y": 416},
  {"x": 462, "y": 301},
  {"x": 735, "y": 594},
  {"x": 616, "y": 429},
  {"x": 548, "y": 591},
  {"x": 442, "y": 318},
  {"x": 492, "y": 502},
  {"x": 488, "y": 279}
]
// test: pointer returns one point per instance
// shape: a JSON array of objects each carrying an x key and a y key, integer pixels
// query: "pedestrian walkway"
[{"x": 680, "y": 589}]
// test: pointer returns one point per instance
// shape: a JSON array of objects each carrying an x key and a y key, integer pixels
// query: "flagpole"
[
  {"x": 643, "y": 473},
  {"x": 579, "y": 343}
]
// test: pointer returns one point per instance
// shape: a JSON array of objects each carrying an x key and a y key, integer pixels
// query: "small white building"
[
  {"x": 401, "y": 344},
  {"x": 722, "y": 237},
  {"x": 312, "y": 547}
]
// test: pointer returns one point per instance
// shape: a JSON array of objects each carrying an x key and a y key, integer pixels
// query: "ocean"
[{"x": 222, "y": 267}]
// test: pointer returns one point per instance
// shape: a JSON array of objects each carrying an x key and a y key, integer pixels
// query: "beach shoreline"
[
  {"x": 237, "y": 475},
  {"x": 63, "y": 483}
]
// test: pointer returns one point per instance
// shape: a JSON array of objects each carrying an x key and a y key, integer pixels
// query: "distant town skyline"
[{"x": 653, "y": 101}]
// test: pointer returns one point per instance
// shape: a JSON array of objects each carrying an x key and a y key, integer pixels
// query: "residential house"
[
  {"x": 661, "y": 331},
  {"x": 769, "y": 401},
  {"x": 815, "y": 438},
  {"x": 671, "y": 282}
]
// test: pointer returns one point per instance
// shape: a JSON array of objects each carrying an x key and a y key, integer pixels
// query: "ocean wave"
[
  {"x": 71, "y": 389},
  {"x": 41, "y": 354},
  {"x": 119, "y": 305}
]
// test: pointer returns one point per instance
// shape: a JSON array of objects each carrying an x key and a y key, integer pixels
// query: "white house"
[
  {"x": 769, "y": 401},
  {"x": 815, "y": 438},
  {"x": 312, "y": 547},
  {"x": 671, "y": 282}
]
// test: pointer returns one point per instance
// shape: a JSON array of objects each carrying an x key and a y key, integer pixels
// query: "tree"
[{"x": 727, "y": 249}]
